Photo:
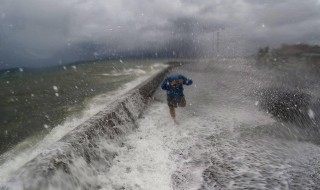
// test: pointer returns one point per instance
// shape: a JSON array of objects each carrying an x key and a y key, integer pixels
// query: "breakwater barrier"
[{"x": 77, "y": 160}]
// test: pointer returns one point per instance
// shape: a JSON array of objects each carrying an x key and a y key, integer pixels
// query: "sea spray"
[{"x": 81, "y": 146}]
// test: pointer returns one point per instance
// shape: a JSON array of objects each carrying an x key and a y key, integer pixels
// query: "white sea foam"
[
  {"x": 125, "y": 72},
  {"x": 12, "y": 160},
  {"x": 161, "y": 155},
  {"x": 137, "y": 71},
  {"x": 158, "y": 149},
  {"x": 146, "y": 164}
]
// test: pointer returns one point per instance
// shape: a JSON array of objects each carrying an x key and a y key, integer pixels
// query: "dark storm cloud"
[{"x": 40, "y": 32}]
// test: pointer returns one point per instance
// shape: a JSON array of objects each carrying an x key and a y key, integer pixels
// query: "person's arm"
[
  {"x": 165, "y": 84},
  {"x": 185, "y": 81}
]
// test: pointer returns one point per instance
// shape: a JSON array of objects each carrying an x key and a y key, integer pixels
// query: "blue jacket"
[{"x": 175, "y": 92}]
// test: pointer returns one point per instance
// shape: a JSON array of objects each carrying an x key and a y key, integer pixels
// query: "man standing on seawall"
[{"x": 175, "y": 97}]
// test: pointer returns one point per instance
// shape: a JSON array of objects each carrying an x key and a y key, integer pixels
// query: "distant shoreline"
[{"x": 53, "y": 67}]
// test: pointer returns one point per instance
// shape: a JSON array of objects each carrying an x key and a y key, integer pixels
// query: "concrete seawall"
[{"x": 61, "y": 166}]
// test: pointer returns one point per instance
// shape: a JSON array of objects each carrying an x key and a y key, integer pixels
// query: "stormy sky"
[{"x": 35, "y": 33}]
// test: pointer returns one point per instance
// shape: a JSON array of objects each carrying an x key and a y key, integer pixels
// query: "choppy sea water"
[
  {"x": 230, "y": 136},
  {"x": 39, "y": 106}
]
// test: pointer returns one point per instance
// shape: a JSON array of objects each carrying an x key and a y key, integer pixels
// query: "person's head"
[{"x": 174, "y": 83}]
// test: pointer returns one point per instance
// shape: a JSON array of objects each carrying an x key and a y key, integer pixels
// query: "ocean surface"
[
  {"x": 33, "y": 102},
  {"x": 245, "y": 126}
]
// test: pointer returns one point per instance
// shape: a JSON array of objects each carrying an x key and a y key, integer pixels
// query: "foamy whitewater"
[
  {"x": 12, "y": 160},
  {"x": 225, "y": 140}
]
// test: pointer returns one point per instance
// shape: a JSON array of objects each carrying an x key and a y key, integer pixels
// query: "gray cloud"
[{"x": 43, "y": 32}]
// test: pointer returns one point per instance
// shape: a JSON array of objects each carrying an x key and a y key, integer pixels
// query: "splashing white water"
[
  {"x": 223, "y": 142},
  {"x": 137, "y": 71},
  {"x": 146, "y": 164},
  {"x": 25, "y": 151}
]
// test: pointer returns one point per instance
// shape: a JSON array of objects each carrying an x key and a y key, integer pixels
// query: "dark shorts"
[{"x": 175, "y": 102}]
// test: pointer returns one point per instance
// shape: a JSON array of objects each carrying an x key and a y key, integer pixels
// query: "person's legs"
[
  {"x": 173, "y": 115},
  {"x": 172, "y": 103},
  {"x": 172, "y": 112},
  {"x": 182, "y": 102}
]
